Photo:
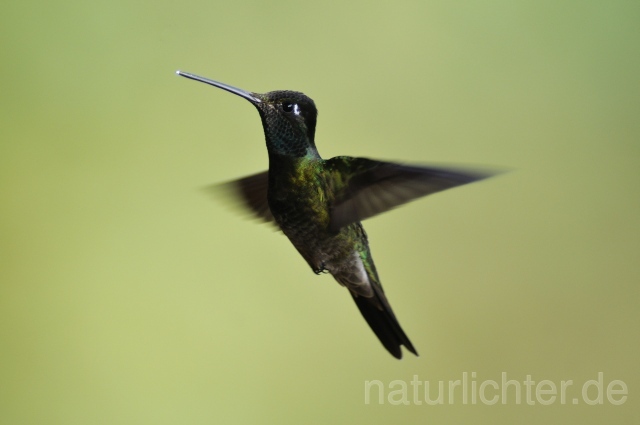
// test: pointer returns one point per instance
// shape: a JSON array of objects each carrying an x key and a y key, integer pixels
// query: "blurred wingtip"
[{"x": 228, "y": 194}]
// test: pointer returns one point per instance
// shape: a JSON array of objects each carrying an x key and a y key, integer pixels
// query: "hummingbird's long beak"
[{"x": 242, "y": 93}]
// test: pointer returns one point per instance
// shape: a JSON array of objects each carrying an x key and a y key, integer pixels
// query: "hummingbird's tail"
[{"x": 378, "y": 314}]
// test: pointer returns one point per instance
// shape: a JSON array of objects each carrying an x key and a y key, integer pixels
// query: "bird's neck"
[{"x": 288, "y": 164}]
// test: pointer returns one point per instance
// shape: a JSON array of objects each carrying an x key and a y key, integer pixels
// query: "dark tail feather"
[{"x": 378, "y": 314}]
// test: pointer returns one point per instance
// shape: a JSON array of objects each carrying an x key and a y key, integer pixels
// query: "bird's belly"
[
  {"x": 306, "y": 224},
  {"x": 335, "y": 252}
]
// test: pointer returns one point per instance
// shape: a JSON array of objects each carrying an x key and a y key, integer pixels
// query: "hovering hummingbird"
[{"x": 320, "y": 203}]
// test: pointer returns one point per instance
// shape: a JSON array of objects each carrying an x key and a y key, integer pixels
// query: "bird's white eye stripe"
[{"x": 296, "y": 109}]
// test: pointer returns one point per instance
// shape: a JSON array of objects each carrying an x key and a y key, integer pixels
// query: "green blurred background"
[{"x": 129, "y": 296}]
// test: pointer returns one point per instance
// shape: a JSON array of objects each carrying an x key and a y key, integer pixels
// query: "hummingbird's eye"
[
  {"x": 291, "y": 107},
  {"x": 288, "y": 107}
]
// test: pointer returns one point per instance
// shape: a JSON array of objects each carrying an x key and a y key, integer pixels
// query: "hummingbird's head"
[{"x": 288, "y": 118}]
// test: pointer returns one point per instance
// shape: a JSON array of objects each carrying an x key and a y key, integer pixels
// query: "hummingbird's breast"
[
  {"x": 297, "y": 198},
  {"x": 300, "y": 201}
]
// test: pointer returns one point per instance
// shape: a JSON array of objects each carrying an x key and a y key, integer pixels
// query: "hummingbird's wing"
[
  {"x": 365, "y": 187},
  {"x": 251, "y": 192}
]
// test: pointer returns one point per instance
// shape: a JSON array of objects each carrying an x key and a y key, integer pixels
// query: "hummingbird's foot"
[{"x": 320, "y": 269}]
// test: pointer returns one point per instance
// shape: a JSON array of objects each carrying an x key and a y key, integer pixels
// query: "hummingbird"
[{"x": 319, "y": 203}]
